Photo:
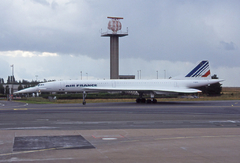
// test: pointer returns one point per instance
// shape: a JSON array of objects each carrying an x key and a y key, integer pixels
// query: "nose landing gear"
[{"x": 84, "y": 96}]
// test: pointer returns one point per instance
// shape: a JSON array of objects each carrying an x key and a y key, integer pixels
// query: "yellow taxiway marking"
[
  {"x": 21, "y": 109},
  {"x": 33, "y": 151},
  {"x": 22, "y": 152}
]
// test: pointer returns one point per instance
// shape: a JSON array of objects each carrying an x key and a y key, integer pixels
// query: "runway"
[
  {"x": 202, "y": 131},
  {"x": 120, "y": 115}
]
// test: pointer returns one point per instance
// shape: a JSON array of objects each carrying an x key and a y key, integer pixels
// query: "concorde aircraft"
[{"x": 199, "y": 76}]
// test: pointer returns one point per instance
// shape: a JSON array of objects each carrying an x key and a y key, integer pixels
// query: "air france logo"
[{"x": 81, "y": 85}]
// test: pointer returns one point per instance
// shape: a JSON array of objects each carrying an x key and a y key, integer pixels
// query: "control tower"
[{"x": 115, "y": 26}]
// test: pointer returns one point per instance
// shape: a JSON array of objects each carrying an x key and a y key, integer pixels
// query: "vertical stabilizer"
[{"x": 202, "y": 70}]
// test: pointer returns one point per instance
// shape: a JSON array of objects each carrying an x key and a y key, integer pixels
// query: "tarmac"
[
  {"x": 130, "y": 145},
  {"x": 117, "y": 143}
]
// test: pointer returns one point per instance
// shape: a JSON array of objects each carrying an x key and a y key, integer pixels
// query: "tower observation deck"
[{"x": 115, "y": 26}]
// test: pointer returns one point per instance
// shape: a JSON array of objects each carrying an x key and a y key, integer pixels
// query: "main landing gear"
[
  {"x": 143, "y": 100},
  {"x": 148, "y": 101}
]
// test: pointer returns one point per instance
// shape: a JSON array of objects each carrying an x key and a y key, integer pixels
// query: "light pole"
[
  {"x": 157, "y": 74},
  {"x": 11, "y": 93},
  {"x": 139, "y": 74},
  {"x": 164, "y": 74},
  {"x": 12, "y": 69},
  {"x": 87, "y": 75},
  {"x": 81, "y": 74}
]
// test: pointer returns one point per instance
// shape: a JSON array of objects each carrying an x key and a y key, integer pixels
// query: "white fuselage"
[{"x": 157, "y": 86}]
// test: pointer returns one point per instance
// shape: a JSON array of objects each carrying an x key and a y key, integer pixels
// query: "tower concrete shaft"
[
  {"x": 114, "y": 25},
  {"x": 114, "y": 57}
]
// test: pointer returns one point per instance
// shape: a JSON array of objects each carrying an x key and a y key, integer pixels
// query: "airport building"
[
  {"x": 126, "y": 76},
  {"x": 11, "y": 85}
]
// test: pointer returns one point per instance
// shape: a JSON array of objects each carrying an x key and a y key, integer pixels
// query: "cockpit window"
[{"x": 40, "y": 84}]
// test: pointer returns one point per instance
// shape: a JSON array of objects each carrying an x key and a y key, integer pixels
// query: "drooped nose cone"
[{"x": 27, "y": 90}]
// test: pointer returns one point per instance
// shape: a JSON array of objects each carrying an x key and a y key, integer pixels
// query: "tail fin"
[{"x": 202, "y": 70}]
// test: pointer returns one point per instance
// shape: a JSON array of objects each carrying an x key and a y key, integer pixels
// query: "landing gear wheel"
[
  {"x": 84, "y": 103},
  {"x": 143, "y": 100},
  {"x": 140, "y": 100},
  {"x": 151, "y": 101},
  {"x": 154, "y": 101},
  {"x": 148, "y": 101}
]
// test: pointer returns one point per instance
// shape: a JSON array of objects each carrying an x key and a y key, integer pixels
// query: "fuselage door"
[
  {"x": 175, "y": 84},
  {"x": 114, "y": 84},
  {"x": 62, "y": 86}
]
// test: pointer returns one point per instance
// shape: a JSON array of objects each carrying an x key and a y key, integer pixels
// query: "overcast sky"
[{"x": 57, "y": 39}]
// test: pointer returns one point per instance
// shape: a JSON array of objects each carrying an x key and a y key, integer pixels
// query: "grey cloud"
[
  {"x": 163, "y": 30},
  {"x": 5, "y": 69},
  {"x": 42, "y": 2},
  {"x": 54, "y": 5},
  {"x": 228, "y": 46}
]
